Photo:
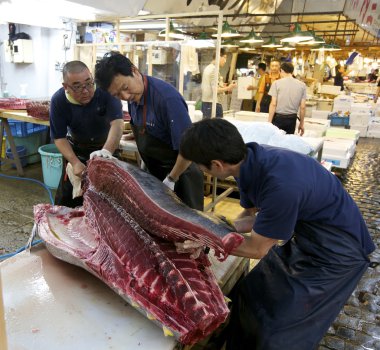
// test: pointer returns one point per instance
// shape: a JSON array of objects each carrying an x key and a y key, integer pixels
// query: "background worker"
[
  {"x": 263, "y": 99},
  {"x": 208, "y": 86},
  {"x": 159, "y": 116},
  {"x": 291, "y": 297},
  {"x": 261, "y": 69},
  {"x": 338, "y": 79},
  {"x": 288, "y": 97},
  {"x": 83, "y": 120}
]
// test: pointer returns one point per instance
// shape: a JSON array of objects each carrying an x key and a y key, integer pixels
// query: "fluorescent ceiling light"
[
  {"x": 143, "y": 13},
  {"x": 44, "y": 13},
  {"x": 142, "y": 24},
  {"x": 200, "y": 43}
]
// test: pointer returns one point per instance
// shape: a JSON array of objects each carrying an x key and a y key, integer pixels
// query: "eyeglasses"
[{"x": 80, "y": 87}]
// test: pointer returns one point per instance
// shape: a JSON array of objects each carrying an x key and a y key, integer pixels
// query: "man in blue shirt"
[
  {"x": 84, "y": 122},
  {"x": 306, "y": 229},
  {"x": 159, "y": 116}
]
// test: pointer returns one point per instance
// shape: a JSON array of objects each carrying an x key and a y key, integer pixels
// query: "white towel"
[{"x": 75, "y": 180}]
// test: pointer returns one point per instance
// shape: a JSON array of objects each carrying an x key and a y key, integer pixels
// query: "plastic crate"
[
  {"x": 32, "y": 143},
  {"x": 337, "y": 120},
  {"x": 22, "y": 129}
]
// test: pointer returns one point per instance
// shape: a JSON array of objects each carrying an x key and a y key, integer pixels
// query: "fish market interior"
[{"x": 190, "y": 174}]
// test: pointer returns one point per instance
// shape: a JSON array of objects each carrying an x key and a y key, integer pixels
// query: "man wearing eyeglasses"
[{"x": 84, "y": 122}]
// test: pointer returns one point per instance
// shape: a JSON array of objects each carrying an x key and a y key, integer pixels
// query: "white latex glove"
[
  {"x": 169, "y": 183},
  {"x": 104, "y": 153},
  {"x": 188, "y": 246}
]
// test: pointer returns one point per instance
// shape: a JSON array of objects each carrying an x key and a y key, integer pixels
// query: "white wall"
[{"x": 41, "y": 77}]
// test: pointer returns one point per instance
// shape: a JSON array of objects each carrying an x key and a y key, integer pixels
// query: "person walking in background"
[
  {"x": 288, "y": 97},
  {"x": 338, "y": 79},
  {"x": 261, "y": 69},
  {"x": 263, "y": 99},
  {"x": 159, "y": 116},
  {"x": 208, "y": 87},
  {"x": 84, "y": 122}
]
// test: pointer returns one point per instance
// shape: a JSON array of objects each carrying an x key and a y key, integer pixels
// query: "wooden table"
[{"x": 20, "y": 115}]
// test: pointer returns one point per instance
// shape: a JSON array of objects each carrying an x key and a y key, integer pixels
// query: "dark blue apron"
[
  {"x": 160, "y": 158},
  {"x": 290, "y": 299},
  {"x": 64, "y": 194}
]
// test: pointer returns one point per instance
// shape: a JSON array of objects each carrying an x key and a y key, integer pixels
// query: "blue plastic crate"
[
  {"x": 22, "y": 129},
  {"x": 339, "y": 121}
]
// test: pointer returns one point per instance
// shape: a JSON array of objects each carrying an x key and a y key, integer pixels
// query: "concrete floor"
[{"x": 17, "y": 198}]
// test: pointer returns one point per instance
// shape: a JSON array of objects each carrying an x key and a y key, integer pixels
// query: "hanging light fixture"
[
  {"x": 246, "y": 47},
  {"x": 315, "y": 41},
  {"x": 286, "y": 47},
  {"x": 229, "y": 43},
  {"x": 227, "y": 31},
  {"x": 334, "y": 47},
  {"x": 322, "y": 47},
  {"x": 252, "y": 37},
  {"x": 297, "y": 35},
  {"x": 203, "y": 36},
  {"x": 272, "y": 43},
  {"x": 173, "y": 32}
]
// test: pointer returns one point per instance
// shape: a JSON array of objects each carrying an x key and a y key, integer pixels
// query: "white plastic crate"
[{"x": 319, "y": 114}]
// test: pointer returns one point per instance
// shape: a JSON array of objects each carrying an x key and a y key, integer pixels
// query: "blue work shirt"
[
  {"x": 86, "y": 123},
  {"x": 167, "y": 115},
  {"x": 288, "y": 187}
]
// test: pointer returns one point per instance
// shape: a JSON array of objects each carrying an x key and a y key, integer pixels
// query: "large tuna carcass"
[{"x": 124, "y": 234}]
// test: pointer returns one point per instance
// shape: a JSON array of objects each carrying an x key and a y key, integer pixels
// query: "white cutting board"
[{"x": 50, "y": 304}]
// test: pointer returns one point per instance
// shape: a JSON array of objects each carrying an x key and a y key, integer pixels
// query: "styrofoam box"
[
  {"x": 375, "y": 134},
  {"x": 344, "y": 144},
  {"x": 361, "y": 108},
  {"x": 374, "y": 124},
  {"x": 342, "y": 104},
  {"x": 337, "y": 162},
  {"x": 343, "y": 134},
  {"x": 336, "y": 147},
  {"x": 361, "y": 119},
  {"x": 242, "y": 84},
  {"x": 251, "y": 116},
  {"x": 362, "y": 129},
  {"x": 330, "y": 89},
  {"x": 319, "y": 114}
]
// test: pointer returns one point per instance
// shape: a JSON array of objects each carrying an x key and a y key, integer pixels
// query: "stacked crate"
[{"x": 29, "y": 135}]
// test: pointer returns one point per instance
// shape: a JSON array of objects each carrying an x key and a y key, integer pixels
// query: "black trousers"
[{"x": 286, "y": 122}]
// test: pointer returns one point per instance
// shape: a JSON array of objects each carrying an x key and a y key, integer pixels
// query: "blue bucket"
[
  {"x": 52, "y": 163},
  {"x": 21, "y": 151}
]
